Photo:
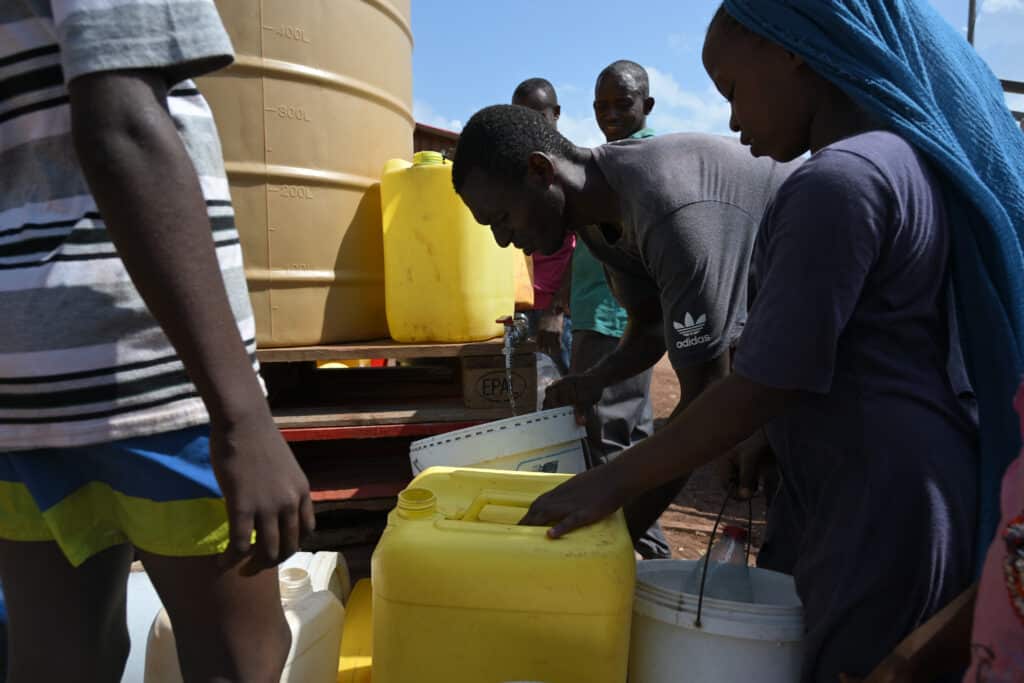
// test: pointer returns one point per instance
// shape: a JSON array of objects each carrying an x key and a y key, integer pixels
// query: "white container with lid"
[
  {"x": 315, "y": 619},
  {"x": 328, "y": 571}
]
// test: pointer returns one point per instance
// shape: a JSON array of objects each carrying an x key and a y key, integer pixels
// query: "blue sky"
[{"x": 472, "y": 53}]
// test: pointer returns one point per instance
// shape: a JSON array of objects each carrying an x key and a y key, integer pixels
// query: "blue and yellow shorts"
[{"x": 157, "y": 493}]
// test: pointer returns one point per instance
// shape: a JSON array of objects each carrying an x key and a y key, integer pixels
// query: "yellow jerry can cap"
[
  {"x": 416, "y": 503},
  {"x": 428, "y": 159}
]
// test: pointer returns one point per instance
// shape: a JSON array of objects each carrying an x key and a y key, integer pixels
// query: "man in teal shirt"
[{"x": 623, "y": 415}]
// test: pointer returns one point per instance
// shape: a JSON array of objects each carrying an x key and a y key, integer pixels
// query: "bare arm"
[
  {"x": 149, "y": 196},
  {"x": 642, "y": 345},
  {"x": 552, "y": 321},
  {"x": 716, "y": 420},
  {"x": 560, "y": 300}
]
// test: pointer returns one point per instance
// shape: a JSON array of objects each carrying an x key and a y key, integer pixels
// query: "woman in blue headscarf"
[
  {"x": 900, "y": 63},
  {"x": 887, "y": 260}
]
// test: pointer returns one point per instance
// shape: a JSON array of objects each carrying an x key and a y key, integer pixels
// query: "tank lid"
[{"x": 428, "y": 159}]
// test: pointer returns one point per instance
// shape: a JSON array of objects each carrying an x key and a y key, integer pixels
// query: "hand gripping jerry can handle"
[{"x": 494, "y": 497}]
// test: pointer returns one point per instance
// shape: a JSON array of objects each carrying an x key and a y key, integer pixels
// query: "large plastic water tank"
[{"x": 319, "y": 97}]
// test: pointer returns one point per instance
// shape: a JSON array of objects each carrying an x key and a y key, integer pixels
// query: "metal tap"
[{"x": 517, "y": 329}]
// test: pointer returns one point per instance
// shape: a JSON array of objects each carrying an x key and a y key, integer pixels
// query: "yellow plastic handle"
[
  {"x": 493, "y": 497},
  {"x": 393, "y": 165}
]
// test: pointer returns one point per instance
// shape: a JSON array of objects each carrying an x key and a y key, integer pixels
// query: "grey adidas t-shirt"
[{"x": 691, "y": 205}]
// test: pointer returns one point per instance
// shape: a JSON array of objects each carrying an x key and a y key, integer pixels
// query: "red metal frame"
[
  {"x": 373, "y": 431},
  {"x": 331, "y": 491},
  {"x": 362, "y": 492}
]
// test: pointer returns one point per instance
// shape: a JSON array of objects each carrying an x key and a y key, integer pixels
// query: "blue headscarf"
[{"x": 904, "y": 64}]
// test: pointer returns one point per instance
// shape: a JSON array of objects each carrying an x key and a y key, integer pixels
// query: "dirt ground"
[{"x": 688, "y": 522}]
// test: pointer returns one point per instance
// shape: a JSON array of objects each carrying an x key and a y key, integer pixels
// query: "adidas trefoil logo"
[
  {"x": 690, "y": 330},
  {"x": 690, "y": 327}
]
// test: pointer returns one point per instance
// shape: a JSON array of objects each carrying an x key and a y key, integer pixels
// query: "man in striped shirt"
[{"x": 132, "y": 421}]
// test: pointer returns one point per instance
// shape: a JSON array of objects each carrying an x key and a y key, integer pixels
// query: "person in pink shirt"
[
  {"x": 549, "y": 319},
  {"x": 550, "y": 315}
]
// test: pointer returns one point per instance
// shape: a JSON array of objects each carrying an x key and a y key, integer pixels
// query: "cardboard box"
[{"x": 485, "y": 383}]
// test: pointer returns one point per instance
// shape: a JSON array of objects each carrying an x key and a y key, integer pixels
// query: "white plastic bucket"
[
  {"x": 548, "y": 441},
  {"x": 759, "y": 641}
]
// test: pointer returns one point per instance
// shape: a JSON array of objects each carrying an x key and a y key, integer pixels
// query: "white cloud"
[
  {"x": 684, "y": 44},
  {"x": 581, "y": 131},
  {"x": 679, "y": 109},
  {"x": 424, "y": 113},
  {"x": 993, "y": 6},
  {"x": 1000, "y": 37}
]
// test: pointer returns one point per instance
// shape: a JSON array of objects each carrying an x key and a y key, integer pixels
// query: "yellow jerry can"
[
  {"x": 445, "y": 278},
  {"x": 462, "y": 594}
]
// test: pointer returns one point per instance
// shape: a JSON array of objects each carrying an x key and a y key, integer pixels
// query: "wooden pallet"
[
  {"x": 433, "y": 384},
  {"x": 354, "y": 484},
  {"x": 426, "y": 389},
  {"x": 351, "y": 428},
  {"x": 386, "y": 348}
]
